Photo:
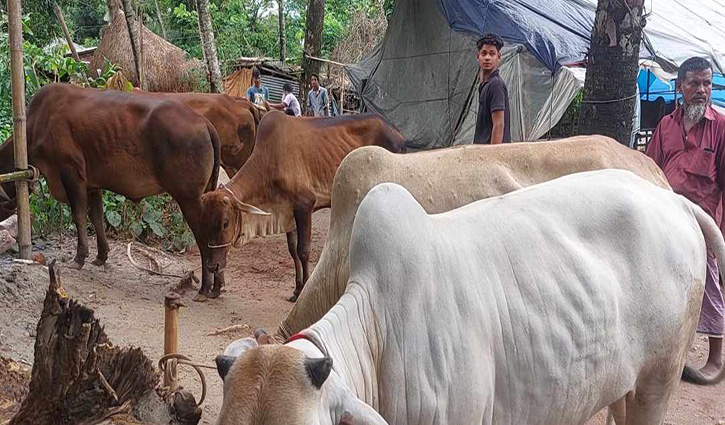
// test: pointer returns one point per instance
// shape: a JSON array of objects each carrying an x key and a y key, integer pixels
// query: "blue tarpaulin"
[
  {"x": 651, "y": 87},
  {"x": 555, "y": 32}
]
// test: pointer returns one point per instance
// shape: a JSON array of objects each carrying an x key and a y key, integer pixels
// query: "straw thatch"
[{"x": 166, "y": 67}]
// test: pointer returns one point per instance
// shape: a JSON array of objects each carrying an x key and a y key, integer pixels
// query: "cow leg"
[
  {"x": 95, "y": 204},
  {"x": 78, "y": 199},
  {"x": 191, "y": 209},
  {"x": 292, "y": 246},
  {"x": 303, "y": 222}
]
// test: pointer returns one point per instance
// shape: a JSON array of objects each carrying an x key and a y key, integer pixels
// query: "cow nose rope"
[{"x": 182, "y": 359}]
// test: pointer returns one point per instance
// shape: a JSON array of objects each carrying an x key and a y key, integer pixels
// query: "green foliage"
[
  {"x": 241, "y": 27},
  {"x": 156, "y": 219}
]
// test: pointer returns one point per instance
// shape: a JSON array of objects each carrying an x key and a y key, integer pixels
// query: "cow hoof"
[
  {"x": 292, "y": 299},
  {"x": 99, "y": 261},
  {"x": 200, "y": 298},
  {"x": 76, "y": 265},
  {"x": 214, "y": 294}
]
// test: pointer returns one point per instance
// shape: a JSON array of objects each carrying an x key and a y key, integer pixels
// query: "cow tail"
[
  {"x": 716, "y": 244},
  {"x": 216, "y": 145}
]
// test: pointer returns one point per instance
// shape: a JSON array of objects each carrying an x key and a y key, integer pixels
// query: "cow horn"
[
  {"x": 249, "y": 209},
  {"x": 261, "y": 336},
  {"x": 358, "y": 413},
  {"x": 223, "y": 364},
  {"x": 318, "y": 370}
]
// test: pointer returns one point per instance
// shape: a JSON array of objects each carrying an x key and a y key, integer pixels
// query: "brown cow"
[
  {"x": 86, "y": 140},
  {"x": 235, "y": 120},
  {"x": 290, "y": 175}
]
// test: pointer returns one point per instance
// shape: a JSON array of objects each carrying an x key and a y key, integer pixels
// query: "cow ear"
[
  {"x": 318, "y": 370},
  {"x": 249, "y": 209},
  {"x": 223, "y": 364}
]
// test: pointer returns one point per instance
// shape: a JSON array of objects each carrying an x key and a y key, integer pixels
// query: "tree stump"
[{"x": 78, "y": 376}]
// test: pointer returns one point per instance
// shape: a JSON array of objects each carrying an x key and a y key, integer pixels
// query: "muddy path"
[{"x": 260, "y": 277}]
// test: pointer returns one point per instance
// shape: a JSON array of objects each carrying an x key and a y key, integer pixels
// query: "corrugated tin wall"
[{"x": 274, "y": 85}]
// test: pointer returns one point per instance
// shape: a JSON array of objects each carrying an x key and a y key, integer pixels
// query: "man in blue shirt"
[{"x": 257, "y": 93}]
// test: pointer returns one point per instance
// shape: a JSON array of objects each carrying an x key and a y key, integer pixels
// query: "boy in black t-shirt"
[{"x": 492, "y": 120}]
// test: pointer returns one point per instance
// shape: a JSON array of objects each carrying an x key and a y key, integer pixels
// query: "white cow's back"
[{"x": 537, "y": 307}]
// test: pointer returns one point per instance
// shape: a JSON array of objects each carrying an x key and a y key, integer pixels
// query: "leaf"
[
  {"x": 136, "y": 228},
  {"x": 157, "y": 228},
  {"x": 129, "y": 86},
  {"x": 113, "y": 218}
]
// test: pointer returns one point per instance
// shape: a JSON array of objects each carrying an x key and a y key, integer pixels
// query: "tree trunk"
[
  {"x": 141, "y": 70},
  {"x": 78, "y": 375},
  {"x": 613, "y": 63},
  {"x": 282, "y": 31},
  {"x": 313, "y": 41},
  {"x": 64, "y": 27},
  {"x": 161, "y": 19},
  {"x": 132, "y": 35},
  {"x": 207, "y": 41}
]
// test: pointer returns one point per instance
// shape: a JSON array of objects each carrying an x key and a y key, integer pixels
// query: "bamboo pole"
[
  {"x": 15, "y": 29},
  {"x": 172, "y": 302},
  {"x": 17, "y": 176}
]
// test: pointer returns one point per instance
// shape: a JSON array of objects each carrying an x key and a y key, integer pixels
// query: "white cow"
[
  {"x": 442, "y": 180},
  {"x": 538, "y": 307}
]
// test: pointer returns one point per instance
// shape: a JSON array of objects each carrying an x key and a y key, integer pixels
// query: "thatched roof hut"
[{"x": 166, "y": 68}]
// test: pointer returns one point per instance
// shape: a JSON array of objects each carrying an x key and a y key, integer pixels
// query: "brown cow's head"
[
  {"x": 280, "y": 385},
  {"x": 222, "y": 224}
]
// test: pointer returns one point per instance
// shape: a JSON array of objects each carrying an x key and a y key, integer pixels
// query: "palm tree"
[{"x": 613, "y": 63}]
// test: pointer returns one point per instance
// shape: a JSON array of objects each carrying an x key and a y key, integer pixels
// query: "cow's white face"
[{"x": 280, "y": 385}]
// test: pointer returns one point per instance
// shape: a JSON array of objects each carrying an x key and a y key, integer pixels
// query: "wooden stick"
[
  {"x": 172, "y": 303},
  {"x": 229, "y": 329},
  {"x": 15, "y": 28}
]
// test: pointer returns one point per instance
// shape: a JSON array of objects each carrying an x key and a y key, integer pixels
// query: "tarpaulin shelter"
[{"x": 423, "y": 77}]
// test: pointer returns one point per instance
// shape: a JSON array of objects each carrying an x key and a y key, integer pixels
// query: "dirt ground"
[{"x": 260, "y": 277}]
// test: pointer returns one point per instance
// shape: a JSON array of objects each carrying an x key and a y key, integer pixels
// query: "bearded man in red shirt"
[{"x": 689, "y": 146}]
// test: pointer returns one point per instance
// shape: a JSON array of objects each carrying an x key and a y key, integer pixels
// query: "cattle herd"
[{"x": 526, "y": 283}]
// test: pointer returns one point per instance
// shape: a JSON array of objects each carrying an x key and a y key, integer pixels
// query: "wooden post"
[
  {"x": 172, "y": 303},
  {"x": 15, "y": 28},
  {"x": 342, "y": 89}
]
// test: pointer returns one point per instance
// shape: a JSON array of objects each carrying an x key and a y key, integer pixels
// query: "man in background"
[
  {"x": 317, "y": 99},
  {"x": 689, "y": 146},
  {"x": 492, "y": 122},
  {"x": 257, "y": 93}
]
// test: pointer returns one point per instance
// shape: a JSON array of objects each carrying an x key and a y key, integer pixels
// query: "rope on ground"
[
  {"x": 182, "y": 359},
  {"x": 147, "y": 269}
]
